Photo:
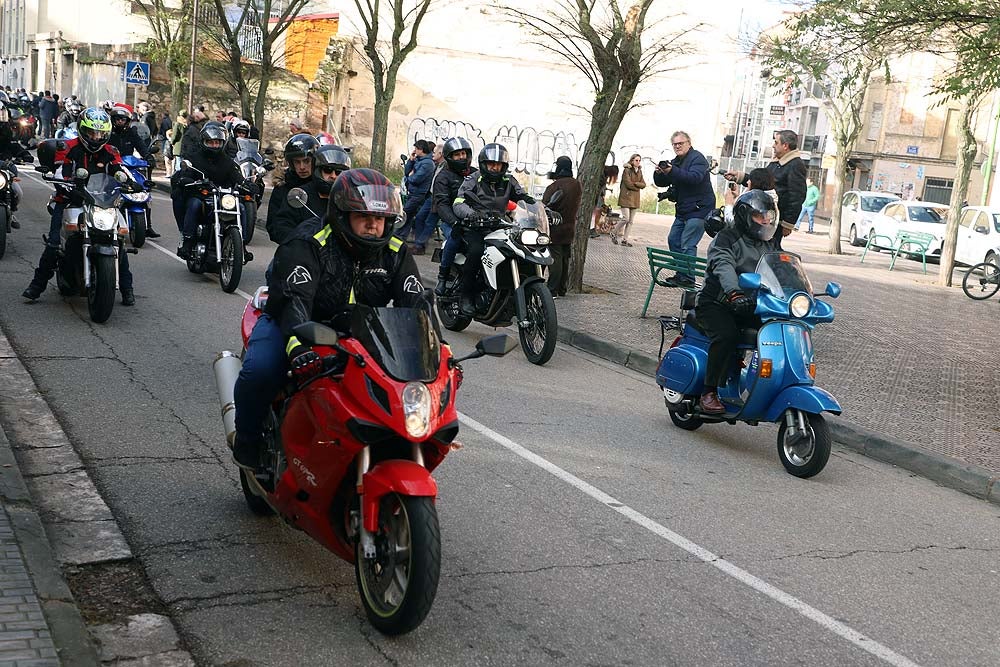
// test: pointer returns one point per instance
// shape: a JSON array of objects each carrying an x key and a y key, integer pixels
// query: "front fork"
[
  {"x": 520, "y": 301},
  {"x": 364, "y": 463},
  {"x": 796, "y": 428}
]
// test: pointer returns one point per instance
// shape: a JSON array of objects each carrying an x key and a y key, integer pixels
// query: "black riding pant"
[
  {"x": 723, "y": 328},
  {"x": 474, "y": 247}
]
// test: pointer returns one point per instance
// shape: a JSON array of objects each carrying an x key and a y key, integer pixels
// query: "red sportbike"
[{"x": 349, "y": 453}]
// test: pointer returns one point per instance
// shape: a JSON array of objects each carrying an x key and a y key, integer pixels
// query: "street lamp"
[{"x": 194, "y": 42}]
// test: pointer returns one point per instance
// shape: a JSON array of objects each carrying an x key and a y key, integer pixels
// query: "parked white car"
[
  {"x": 978, "y": 235},
  {"x": 857, "y": 209},
  {"x": 912, "y": 216}
]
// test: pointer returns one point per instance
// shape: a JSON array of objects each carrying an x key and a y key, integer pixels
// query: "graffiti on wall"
[{"x": 439, "y": 131}]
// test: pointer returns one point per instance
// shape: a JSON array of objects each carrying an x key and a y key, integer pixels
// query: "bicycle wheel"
[{"x": 981, "y": 281}]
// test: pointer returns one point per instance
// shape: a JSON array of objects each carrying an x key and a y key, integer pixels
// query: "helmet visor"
[{"x": 381, "y": 200}]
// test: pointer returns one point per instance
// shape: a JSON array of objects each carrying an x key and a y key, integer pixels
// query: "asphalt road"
[{"x": 579, "y": 526}]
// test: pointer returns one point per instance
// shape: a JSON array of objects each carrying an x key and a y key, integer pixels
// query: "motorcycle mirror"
[
  {"x": 297, "y": 198},
  {"x": 400, "y": 220},
  {"x": 495, "y": 346},
  {"x": 41, "y": 169},
  {"x": 186, "y": 164},
  {"x": 832, "y": 290},
  {"x": 120, "y": 176},
  {"x": 82, "y": 173},
  {"x": 750, "y": 281},
  {"x": 268, "y": 151}
]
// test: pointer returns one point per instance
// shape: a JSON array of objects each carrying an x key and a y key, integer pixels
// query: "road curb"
[
  {"x": 69, "y": 632},
  {"x": 970, "y": 479}
]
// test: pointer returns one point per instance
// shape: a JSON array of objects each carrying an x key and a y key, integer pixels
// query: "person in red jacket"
[{"x": 90, "y": 151}]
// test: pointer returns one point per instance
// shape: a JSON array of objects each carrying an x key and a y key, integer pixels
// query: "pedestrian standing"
[
  {"x": 419, "y": 170},
  {"x": 629, "y": 198},
  {"x": 427, "y": 218},
  {"x": 180, "y": 126},
  {"x": 809, "y": 205},
  {"x": 567, "y": 205},
  {"x": 694, "y": 199},
  {"x": 48, "y": 110}
]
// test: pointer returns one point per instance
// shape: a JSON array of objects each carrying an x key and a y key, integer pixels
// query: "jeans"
[
  {"x": 261, "y": 378},
  {"x": 424, "y": 225},
  {"x": 186, "y": 213},
  {"x": 807, "y": 211},
  {"x": 453, "y": 242},
  {"x": 412, "y": 209},
  {"x": 685, "y": 235}
]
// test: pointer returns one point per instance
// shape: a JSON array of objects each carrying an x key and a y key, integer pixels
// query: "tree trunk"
[
  {"x": 606, "y": 118},
  {"x": 959, "y": 193},
  {"x": 178, "y": 89},
  {"x": 380, "y": 124},
  {"x": 839, "y": 175},
  {"x": 258, "y": 107}
]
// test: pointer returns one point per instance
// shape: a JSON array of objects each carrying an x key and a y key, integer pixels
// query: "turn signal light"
[
  {"x": 766, "y": 368},
  {"x": 812, "y": 371}
]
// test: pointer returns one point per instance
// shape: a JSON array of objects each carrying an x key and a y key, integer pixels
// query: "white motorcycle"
[{"x": 515, "y": 290}]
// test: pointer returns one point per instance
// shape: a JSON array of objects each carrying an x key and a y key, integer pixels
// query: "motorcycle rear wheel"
[
  {"x": 4, "y": 220},
  {"x": 451, "y": 317},
  {"x": 101, "y": 293},
  {"x": 256, "y": 504},
  {"x": 806, "y": 459},
  {"x": 231, "y": 262},
  {"x": 538, "y": 340},
  {"x": 398, "y": 586},
  {"x": 137, "y": 229}
]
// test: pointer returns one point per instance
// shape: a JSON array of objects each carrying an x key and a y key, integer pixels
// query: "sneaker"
[
  {"x": 614, "y": 239},
  {"x": 625, "y": 243},
  {"x": 128, "y": 297},
  {"x": 14, "y": 224},
  {"x": 683, "y": 281}
]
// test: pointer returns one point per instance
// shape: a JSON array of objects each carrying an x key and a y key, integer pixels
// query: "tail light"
[
  {"x": 677, "y": 341},
  {"x": 766, "y": 368},
  {"x": 812, "y": 371}
]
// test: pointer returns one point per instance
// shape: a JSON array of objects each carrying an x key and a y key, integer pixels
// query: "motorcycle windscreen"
[
  {"x": 400, "y": 340},
  {"x": 104, "y": 189},
  {"x": 531, "y": 216},
  {"x": 248, "y": 150},
  {"x": 782, "y": 274}
]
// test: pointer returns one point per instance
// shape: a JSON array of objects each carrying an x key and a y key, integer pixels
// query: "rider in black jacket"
[
  {"x": 330, "y": 161},
  {"x": 457, "y": 154},
  {"x": 299, "y": 158},
  {"x": 126, "y": 139},
  {"x": 216, "y": 166},
  {"x": 327, "y": 266},
  {"x": 13, "y": 153}
]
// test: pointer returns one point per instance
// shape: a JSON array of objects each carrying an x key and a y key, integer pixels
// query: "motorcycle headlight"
[
  {"x": 105, "y": 219},
  {"x": 3, "y": 180},
  {"x": 137, "y": 196},
  {"x": 228, "y": 202},
  {"x": 530, "y": 237},
  {"x": 800, "y": 305},
  {"x": 417, "y": 409},
  {"x": 543, "y": 239}
]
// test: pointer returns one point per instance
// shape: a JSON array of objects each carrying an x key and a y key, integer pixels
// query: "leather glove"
[
  {"x": 528, "y": 199},
  {"x": 306, "y": 365},
  {"x": 740, "y": 303}
]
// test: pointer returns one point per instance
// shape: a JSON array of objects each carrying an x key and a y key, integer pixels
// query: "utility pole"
[{"x": 194, "y": 50}]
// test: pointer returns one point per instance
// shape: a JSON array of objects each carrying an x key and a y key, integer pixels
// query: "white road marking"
[
  {"x": 173, "y": 255},
  {"x": 858, "y": 639}
]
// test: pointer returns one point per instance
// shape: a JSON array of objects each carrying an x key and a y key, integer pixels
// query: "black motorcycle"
[
  {"x": 253, "y": 165},
  {"x": 8, "y": 174},
  {"x": 218, "y": 241}
]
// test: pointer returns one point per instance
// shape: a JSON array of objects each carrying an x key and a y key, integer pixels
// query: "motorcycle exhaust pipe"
[{"x": 227, "y": 368}]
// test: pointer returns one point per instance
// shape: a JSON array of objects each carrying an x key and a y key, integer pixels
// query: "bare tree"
[
  {"x": 225, "y": 37},
  {"x": 399, "y": 20},
  {"x": 606, "y": 46},
  {"x": 169, "y": 44}
]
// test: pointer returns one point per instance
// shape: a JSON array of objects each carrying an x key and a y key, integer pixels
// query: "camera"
[
  {"x": 670, "y": 194},
  {"x": 663, "y": 164}
]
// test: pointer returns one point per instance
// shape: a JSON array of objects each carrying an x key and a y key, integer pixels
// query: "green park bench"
[
  {"x": 661, "y": 260},
  {"x": 911, "y": 244}
]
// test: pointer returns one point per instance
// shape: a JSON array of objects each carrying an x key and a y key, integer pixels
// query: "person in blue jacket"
[
  {"x": 693, "y": 197},
  {"x": 418, "y": 174}
]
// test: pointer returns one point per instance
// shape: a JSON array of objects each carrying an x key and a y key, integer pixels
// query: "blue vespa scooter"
[
  {"x": 773, "y": 373},
  {"x": 135, "y": 205}
]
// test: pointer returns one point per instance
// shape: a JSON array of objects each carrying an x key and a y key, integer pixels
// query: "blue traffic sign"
[{"x": 136, "y": 73}]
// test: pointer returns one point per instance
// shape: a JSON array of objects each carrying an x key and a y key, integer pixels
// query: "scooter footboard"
[
  {"x": 809, "y": 399},
  {"x": 395, "y": 476}
]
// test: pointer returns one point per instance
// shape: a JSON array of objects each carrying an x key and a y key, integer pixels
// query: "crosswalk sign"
[{"x": 136, "y": 73}]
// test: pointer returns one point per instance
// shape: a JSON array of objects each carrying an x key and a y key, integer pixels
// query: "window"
[
  {"x": 926, "y": 214},
  {"x": 849, "y": 199},
  {"x": 996, "y": 221},
  {"x": 938, "y": 190},
  {"x": 895, "y": 212},
  {"x": 875, "y": 204},
  {"x": 967, "y": 218}
]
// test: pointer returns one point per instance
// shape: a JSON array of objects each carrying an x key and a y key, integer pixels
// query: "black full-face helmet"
[
  {"x": 300, "y": 145},
  {"x": 451, "y": 147},
  {"x": 755, "y": 215},
  {"x": 363, "y": 191},
  {"x": 329, "y": 158},
  {"x": 120, "y": 118},
  {"x": 213, "y": 137},
  {"x": 493, "y": 153}
]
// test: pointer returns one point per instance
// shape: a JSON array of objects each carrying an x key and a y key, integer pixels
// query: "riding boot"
[
  {"x": 150, "y": 232},
  {"x": 443, "y": 274},
  {"x": 187, "y": 245},
  {"x": 466, "y": 305},
  {"x": 14, "y": 224},
  {"x": 128, "y": 297},
  {"x": 246, "y": 451},
  {"x": 43, "y": 274}
]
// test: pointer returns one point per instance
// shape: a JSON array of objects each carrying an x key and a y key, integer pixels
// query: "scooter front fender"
[
  {"x": 400, "y": 476},
  {"x": 809, "y": 399}
]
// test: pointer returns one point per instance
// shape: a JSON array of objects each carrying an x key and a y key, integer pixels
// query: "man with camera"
[
  {"x": 789, "y": 171},
  {"x": 689, "y": 186}
]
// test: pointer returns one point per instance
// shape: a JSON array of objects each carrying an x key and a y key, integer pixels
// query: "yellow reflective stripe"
[
  {"x": 293, "y": 342},
  {"x": 350, "y": 299},
  {"x": 323, "y": 234},
  {"x": 459, "y": 200},
  {"x": 395, "y": 243}
]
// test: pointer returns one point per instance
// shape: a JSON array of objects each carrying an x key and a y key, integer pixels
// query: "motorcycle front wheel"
[
  {"x": 538, "y": 339},
  {"x": 398, "y": 586},
  {"x": 249, "y": 222},
  {"x": 231, "y": 262},
  {"x": 101, "y": 293},
  {"x": 808, "y": 456},
  {"x": 137, "y": 229}
]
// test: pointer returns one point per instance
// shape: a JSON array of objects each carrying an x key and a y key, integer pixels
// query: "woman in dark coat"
[{"x": 561, "y": 236}]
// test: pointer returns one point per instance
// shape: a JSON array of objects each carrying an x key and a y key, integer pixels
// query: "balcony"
[{"x": 813, "y": 143}]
